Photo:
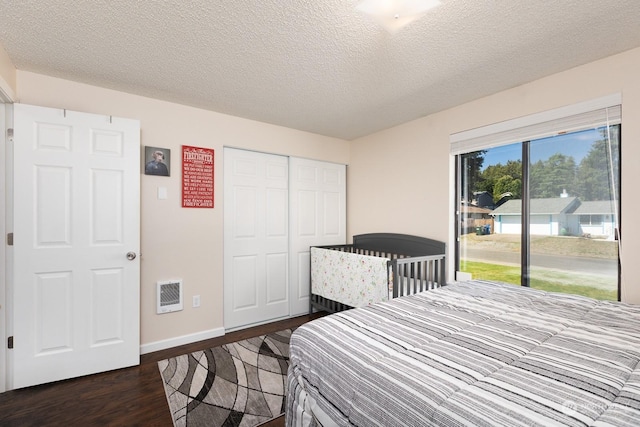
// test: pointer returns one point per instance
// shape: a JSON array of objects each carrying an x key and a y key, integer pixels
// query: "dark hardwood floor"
[{"x": 125, "y": 397}]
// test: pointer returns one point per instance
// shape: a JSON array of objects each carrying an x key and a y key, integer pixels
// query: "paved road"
[{"x": 566, "y": 263}]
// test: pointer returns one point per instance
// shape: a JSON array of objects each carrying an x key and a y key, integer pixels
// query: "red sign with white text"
[{"x": 197, "y": 177}]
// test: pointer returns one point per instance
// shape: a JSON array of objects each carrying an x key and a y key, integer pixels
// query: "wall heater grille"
[{"x": 169, "y": 294}]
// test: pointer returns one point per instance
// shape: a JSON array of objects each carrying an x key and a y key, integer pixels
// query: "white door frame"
[
  {"x": 5, "y": 225},
  {"x": 3, "y": 233}
]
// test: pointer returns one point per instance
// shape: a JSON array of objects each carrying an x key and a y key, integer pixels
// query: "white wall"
[
  {"x": 7, "y": 75},
  {"x": 401, "y": 179},
  {"x": 177, "y": 242}
]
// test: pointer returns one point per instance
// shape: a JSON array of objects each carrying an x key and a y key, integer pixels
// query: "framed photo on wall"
[{"x": 157, "y": 161}]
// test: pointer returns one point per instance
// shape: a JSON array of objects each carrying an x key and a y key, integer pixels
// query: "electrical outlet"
[{"x": 196, "y": 300}]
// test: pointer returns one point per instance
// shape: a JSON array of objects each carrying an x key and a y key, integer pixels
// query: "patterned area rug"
[{"x": 237, "y": 384}]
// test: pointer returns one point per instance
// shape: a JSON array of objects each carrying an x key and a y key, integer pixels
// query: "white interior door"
[
  {"x": 76, "y": 217},
  {"x": 318, "y": 217},
  {"x": 256, "y": 238}
]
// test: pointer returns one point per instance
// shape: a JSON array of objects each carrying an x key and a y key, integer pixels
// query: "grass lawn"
[
  {"x": 548, "y": 245},
  {"x": 552, "y": 281}
]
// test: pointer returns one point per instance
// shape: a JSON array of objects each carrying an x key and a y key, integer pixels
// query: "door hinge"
[
  {"x": 10, "y": 342},
  {"x": 9, "y": 133},
  {"x": 9, "y": 239}
]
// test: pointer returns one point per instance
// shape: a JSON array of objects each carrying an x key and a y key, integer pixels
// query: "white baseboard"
[{"x": 182, "y": 340}]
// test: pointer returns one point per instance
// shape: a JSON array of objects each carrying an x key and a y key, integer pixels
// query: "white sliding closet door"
[
  {"x": 275, "y": 208},
  {"x": 317, "y": 217},
  {"x": 256, "y": 238}
]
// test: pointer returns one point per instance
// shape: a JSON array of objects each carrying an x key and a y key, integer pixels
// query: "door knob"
[{"x": 131, "y": 256}]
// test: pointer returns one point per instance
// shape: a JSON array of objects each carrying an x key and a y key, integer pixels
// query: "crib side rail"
[
  {"x": 361, "y": 251},
  {"x": 417, "y": 274}
]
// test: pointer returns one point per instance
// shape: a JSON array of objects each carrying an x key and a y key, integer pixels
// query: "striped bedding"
[{"x": 469, "y": 353}]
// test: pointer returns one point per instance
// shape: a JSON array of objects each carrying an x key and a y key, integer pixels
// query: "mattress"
[{"x": 469, "y": 353}]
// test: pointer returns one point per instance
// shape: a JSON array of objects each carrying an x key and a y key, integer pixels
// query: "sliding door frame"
[
  {"x": 525, "y": 226},
  {"x": 523, "y": 130},
  {"x": 525, "y": 218}
]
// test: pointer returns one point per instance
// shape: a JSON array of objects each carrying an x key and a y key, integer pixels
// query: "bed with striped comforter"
[{"x": 470, "y": 353}]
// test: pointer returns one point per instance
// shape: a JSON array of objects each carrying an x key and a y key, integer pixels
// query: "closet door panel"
[
  {"x": 256, "y": 238},
  {"x": 318, "y": 217},
  {"x": 275, "y": 209}
]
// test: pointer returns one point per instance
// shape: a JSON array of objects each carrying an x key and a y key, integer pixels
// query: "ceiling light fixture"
[{"x": 395, "y": 14}]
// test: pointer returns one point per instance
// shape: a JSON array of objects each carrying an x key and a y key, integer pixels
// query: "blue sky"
[{"x": 576, "y": 144}]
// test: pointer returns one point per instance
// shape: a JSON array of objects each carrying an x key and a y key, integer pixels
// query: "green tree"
[
  {"x": 499, "y": 179},
  {"x": 550, "y": 177},
  {"x": 507, "y": 184},
  {"x": 595, "y": 179},
  {"x": 471, "y": 166}
]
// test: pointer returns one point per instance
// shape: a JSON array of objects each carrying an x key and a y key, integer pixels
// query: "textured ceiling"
[{"x": 315, "y": 65}]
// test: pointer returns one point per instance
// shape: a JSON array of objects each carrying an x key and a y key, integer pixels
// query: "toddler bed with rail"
[{"x": 376, "y": 267}]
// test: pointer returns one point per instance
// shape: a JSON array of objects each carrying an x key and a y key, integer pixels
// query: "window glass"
[
  {"x": 573, "y": 182},
  {"x": 489, "y": 245}
]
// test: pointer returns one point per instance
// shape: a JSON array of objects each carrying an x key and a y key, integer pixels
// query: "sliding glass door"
[
  {"x": 574, "y": 188},
  {"x": 543, "y": 213},
  {"x": 489, "y": 247}
]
